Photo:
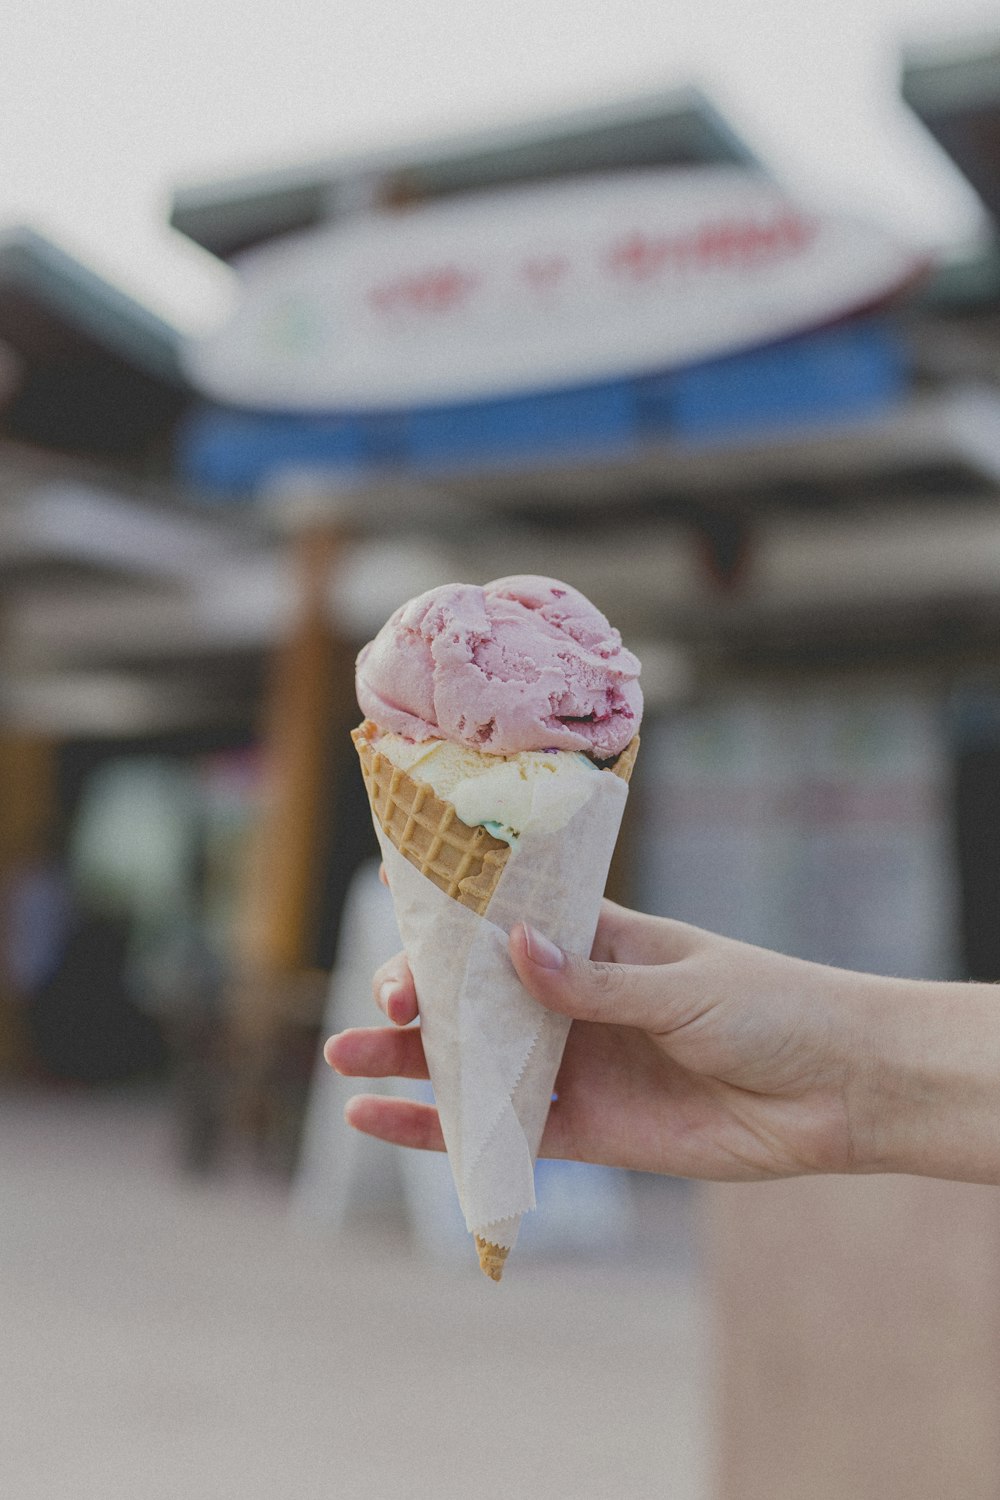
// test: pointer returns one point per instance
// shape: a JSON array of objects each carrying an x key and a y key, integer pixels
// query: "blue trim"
[
  {"x": 842, "y": 373},
  {"x": 594, "y": 419},
  {"x": 235, "y": 450}
]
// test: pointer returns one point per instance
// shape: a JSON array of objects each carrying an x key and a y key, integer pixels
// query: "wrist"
[{"x": 925, "y": 1097}]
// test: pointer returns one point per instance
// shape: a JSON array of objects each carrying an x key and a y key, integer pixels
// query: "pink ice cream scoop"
[{"x": 525, "y": 663}]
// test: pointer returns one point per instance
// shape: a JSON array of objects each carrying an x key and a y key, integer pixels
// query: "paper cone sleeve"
[{"x": 463, "y": 862}]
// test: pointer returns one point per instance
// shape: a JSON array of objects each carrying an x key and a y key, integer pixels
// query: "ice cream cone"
[
  {"x": 487, "y": 710},
  {"x": 464, "y": 862}
]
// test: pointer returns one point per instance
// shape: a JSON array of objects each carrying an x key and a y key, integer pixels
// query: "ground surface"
[{"x": 170, "y": 1339}]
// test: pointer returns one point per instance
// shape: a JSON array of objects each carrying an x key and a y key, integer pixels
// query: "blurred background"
[{"x": 301, "y": 314}]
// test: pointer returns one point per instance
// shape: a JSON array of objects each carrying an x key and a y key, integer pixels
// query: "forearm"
[{"x": 928, "y": 1093}]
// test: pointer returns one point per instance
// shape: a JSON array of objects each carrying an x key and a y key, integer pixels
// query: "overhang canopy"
[{"x": 679, "y": 128}]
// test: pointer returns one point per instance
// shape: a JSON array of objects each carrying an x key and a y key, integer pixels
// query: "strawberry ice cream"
[{"x": 525, "y": 663}]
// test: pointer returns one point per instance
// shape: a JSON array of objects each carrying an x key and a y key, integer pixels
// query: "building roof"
[
  {"x": 679, "y": 128},
  {"x": 86, "y": 369},
  {"x": 47, "y": 297},
  {"x": 957, "y": 97}
]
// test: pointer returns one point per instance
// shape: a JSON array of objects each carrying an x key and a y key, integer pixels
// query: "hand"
[{"x": 689, "y": 1054}]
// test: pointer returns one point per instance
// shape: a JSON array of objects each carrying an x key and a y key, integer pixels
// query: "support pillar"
[
  {"x": 309, "y": 682},
  {"x": 278, "y": 995}
]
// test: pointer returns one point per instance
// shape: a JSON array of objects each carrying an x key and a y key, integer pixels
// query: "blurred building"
[
  {"x": 815, "y": 502},
  {"x": 101, "y": 554},
  {"x": 811, "y": 504}
]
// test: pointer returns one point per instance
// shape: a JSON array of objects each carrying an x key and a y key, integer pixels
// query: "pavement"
[{"x": 164, "y": 1337}]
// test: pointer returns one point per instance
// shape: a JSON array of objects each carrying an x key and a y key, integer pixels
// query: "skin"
[{"x": 698, "y": 1056}]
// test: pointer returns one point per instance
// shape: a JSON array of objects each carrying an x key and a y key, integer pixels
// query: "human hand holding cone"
[{"x": 459, "y": 886}]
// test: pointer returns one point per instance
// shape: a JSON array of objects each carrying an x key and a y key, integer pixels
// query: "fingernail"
[
  {"x": 541, "y": 951},
  {"x": 385, "y": 994}
]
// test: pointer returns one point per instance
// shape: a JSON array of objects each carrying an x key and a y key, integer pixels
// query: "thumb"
[{"x": 619, "y": 994}]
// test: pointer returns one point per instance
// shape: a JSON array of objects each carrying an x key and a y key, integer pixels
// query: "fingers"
[
  {"x": 383, "y": 1052},
  {"x": 377, "y": 1052},
  {"x": 403, "y": 1122},
  {"x": 650, "y": 997},
  {"x": 394, "y": 991}
]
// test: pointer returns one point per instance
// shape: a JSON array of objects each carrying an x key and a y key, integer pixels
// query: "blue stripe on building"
[{"x": 850, "y": 371}]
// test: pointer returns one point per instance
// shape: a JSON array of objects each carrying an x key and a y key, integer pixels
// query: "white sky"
[{"x": 106, "y": 105}]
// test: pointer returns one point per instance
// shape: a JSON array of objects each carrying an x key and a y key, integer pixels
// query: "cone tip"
[{"x": 491, "y": 1257}]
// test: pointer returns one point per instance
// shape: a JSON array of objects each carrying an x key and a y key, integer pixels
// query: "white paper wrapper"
[{"x": 492, "y": 1051}]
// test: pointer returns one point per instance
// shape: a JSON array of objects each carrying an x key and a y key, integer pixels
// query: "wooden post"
[
  {"x": 857, "y": 1334},
  {"x": 309, "y": 681},
  {"x": 27, "y": 815},
  {"x": 277, "y": 996}
]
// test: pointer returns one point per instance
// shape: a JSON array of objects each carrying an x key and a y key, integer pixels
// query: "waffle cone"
[{"x": 464, "y": 862}]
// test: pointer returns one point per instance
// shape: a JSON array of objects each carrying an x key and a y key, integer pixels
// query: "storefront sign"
[{"x": 535, "y": 288}]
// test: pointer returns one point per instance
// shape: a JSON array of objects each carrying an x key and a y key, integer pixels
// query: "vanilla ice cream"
[{"x": 504, "y": 793}]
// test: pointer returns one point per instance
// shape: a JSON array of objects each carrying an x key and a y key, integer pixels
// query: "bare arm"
[{"x": 928, "y": 1095}]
